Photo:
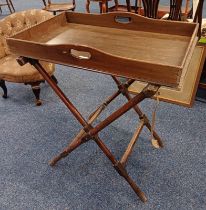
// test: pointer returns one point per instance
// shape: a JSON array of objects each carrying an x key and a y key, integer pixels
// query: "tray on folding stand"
[{"x": 119, "y": 44}]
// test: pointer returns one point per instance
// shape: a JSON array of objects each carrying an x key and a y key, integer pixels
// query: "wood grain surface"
[
  {"x": 121, "y": 44},
  {"x": 185, "y": 93}
]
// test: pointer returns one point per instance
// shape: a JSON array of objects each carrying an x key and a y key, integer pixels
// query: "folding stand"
[{"x": 89, "y": 132}]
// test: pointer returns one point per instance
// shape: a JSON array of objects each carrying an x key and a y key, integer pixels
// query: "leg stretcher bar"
[{"x": 88, "y": 132}]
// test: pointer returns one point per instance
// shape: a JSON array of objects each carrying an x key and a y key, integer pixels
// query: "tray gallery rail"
[
  {"x": 146, "y": 49},
  {"x": 118, "y": 44}
]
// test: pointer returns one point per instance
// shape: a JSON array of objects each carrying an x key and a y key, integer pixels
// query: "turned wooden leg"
[
  {"x": 107, "y": 6},
  {"x": 157, "y": 143},
  {"x": 120, "y": 169},
  {"x": 54, "y": 79},
  {"x": 3, "y": 86},
  {"x": 100, "y": 7},
  {"x": 77, "y": 141},
  {"x": 36, "y": 90},
  {"x": 104, "y": 6},
  {"x": 87, "y": 6},
  {"x": 128, "y": 5},
  {"x": 116, "y": 4}
]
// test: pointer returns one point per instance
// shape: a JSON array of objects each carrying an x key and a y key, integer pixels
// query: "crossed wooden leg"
[
  {"x": 91, "y": 133},
  {"x": 3, "y": 86},
  {"x": 144, "y": 120}
]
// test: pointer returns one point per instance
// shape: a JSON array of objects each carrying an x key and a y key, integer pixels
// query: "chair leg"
[
  {"x": 116, "y": 5},
  {"x": 54, "y": 79},
  {"x": 9, "y": 6},
  {"x": 36, "y": 90},
  {"x": 11, "y": 3},
  {"x": 100, "y": 7},
  {"x": 104, "y": 6},
  {"x": 107, "y": 6},
  {"x": 87, "y": 6},
  {"x": 3, "y": 86}
]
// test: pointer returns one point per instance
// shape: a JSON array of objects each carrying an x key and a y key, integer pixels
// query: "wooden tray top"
[{"x": 120, "y": 44}]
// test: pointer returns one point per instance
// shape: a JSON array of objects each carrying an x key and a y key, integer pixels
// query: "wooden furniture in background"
[
  {"x": 78, "y": 40},
  {"x": 150, "y": 8},
  {"x": 103, "y": 5},
  {"x": 10, "y": 71},
  {"x": 9, "y": 4},
  {"x": 184, "y": 95},
  {"x": 139, "y": 8},
  {"x": 59, "y": 7},
  {"x": 175, "y": 10},
  {"x": 197, "y": 17}
]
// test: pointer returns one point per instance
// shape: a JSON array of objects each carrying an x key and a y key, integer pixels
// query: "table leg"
[
  {"x": 120, "y": 169},
  {"x": 89, "y": 132},
  {"x": 132, "y": 143},
  {"x": 81, "y": 135},
  {"x": 77, "y": 141},
  {"x": 58, "y": 91},
  {"x": 147, "y": 92},
  {"x": 124, "y": 90}
]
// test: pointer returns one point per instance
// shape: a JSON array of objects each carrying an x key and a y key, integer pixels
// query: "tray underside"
[{"x": 143, "y": 49}]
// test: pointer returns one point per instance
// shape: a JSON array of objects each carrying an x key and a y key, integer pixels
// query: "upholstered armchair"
[
  {"x": 10, "y": 70},
  {"x": 59, "y": 7}
]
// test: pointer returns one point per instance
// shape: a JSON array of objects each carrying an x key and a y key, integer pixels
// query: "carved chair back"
[
  {"x": 175, "y": 10},
  {"x": 8, "y": 3},
  {"x": 150, "y": 8}
]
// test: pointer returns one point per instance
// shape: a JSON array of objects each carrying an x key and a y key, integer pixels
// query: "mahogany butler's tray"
[{"x": 136, "y": 47}]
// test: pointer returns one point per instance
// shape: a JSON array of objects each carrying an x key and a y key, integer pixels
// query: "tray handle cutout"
[
  {"x": 122, "y": 19},
  {"x": 82, "y": 55}
]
